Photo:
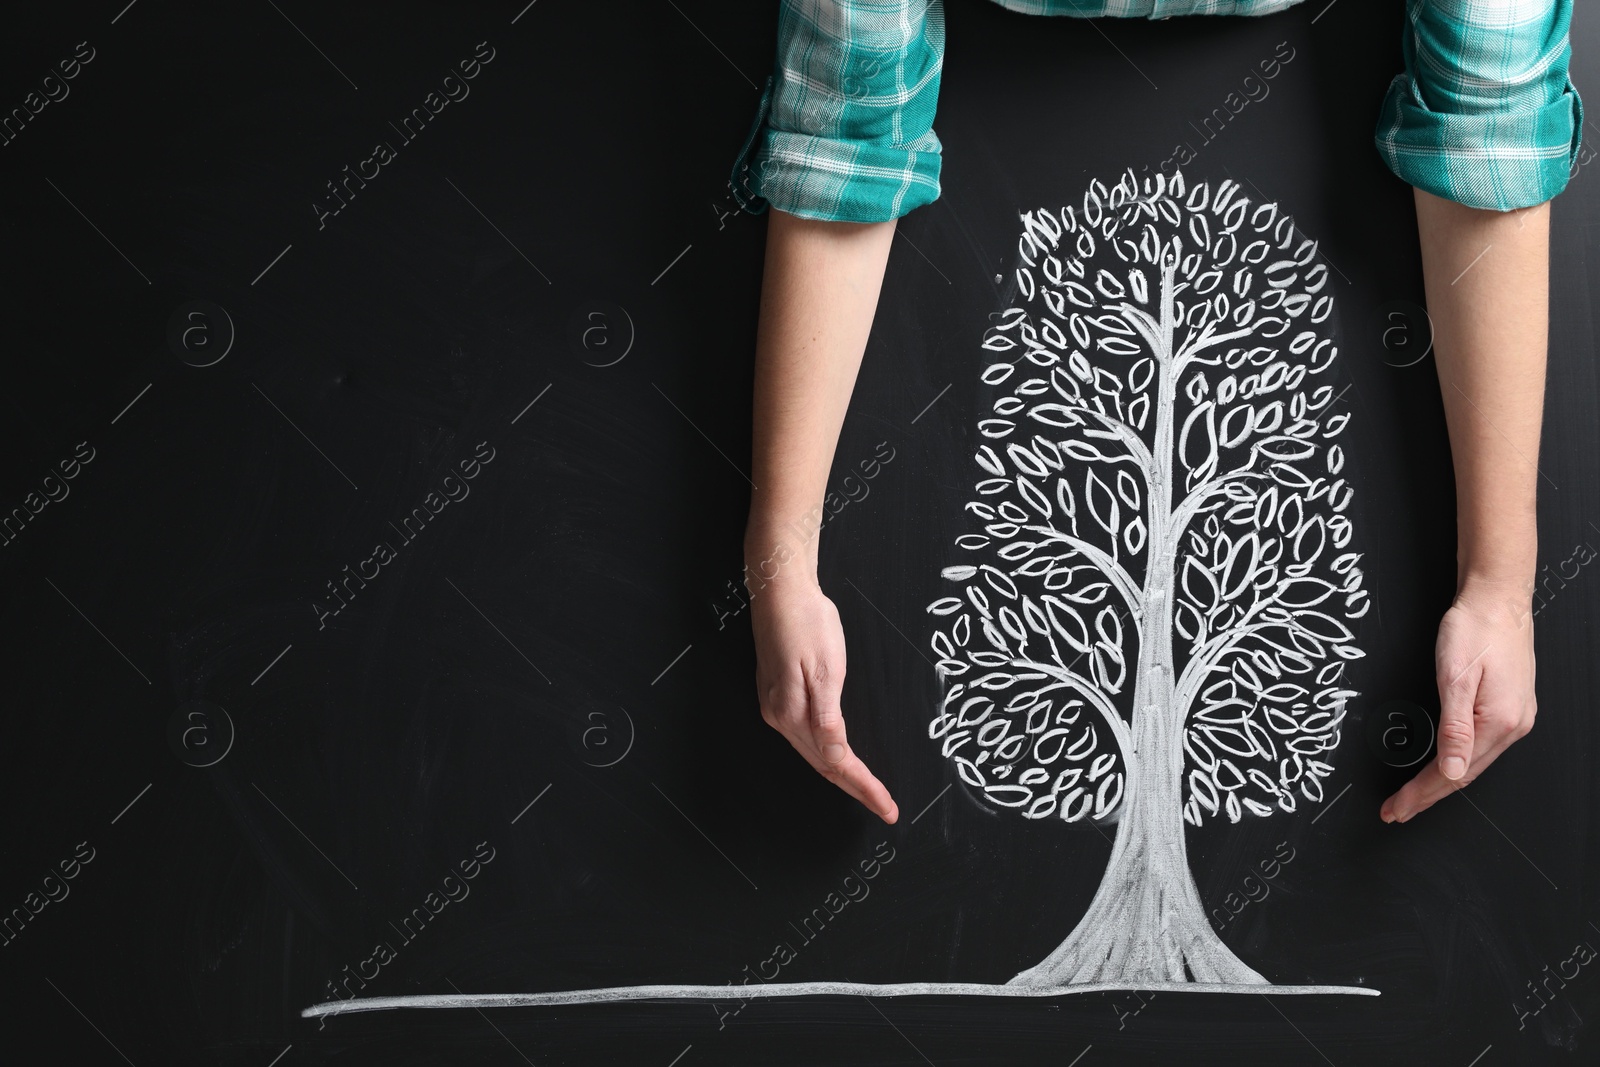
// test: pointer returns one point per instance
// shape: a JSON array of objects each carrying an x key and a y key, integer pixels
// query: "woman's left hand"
[{"x": 1483, "y": 660}]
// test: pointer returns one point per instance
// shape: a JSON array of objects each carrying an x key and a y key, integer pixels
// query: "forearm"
[
  {"x": 818, "y": 294},
  {"x": 1486, "y": 274}
]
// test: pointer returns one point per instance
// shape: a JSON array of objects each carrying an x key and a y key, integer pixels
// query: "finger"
[
  {"x": 827, "y": 726},
  {"x": 849, "y": 774},
  {"x": 795, "y": 723},
  {"x": 866, "y": 788},
  {"x": 853, "y": 776},
  {"x": 1431, "y": 786},
  {"x": 1492, "y": 737},
  {"x": 1458, "y": 692},
  {"x": 833, "y": 748}
]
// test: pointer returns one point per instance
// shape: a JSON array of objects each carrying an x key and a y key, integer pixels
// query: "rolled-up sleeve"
[
  {"x": 844, "y": 127},
  {"x": 1485, "y": 113}
]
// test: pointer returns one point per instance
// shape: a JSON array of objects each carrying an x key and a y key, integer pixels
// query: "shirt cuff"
[
  {"x": 831, "y": 178},
  {"x": 1498, "y": 160}
]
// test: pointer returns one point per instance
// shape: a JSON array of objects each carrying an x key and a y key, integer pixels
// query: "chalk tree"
[{"x": 1149, "y": 621}]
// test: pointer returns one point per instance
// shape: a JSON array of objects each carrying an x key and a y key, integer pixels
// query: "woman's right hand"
[{"x": 800, "y": 662}]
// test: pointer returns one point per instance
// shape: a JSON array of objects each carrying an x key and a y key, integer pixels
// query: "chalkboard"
[{"x": 377, "y": 451}]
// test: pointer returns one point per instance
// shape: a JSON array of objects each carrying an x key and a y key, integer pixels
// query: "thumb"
[
  {"x": 827, "y": 728},
  {"x": 1456, "y": 732}
]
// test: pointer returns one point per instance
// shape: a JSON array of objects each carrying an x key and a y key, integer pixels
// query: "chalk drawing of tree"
[{"x": 1149, "y": 622}]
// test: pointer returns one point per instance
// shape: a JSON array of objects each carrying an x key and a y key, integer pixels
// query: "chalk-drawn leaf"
[
  {"x": 1247, "y": 678},
  {"x": 1229, "y": 740},
  {"x": 1036, "y": 499},
  {"x": 997, "y": 373},
  {"x": 1304, "y": 592},
  {"x": 1117, "y": 346},
  {"x": 1236, "y": 425},
  {"x": 1025, "y": 460},
  {"x": 1326, "y": 627},
  {"x": 1102, "y": 503},
  {"x": 1075, "y": 805},
  {"x": 1037, "y": 620},
  {"x": 1048, "y": 748},
  {"x": 1199, "y": 585},
  {"x": 1041, "y": 807},
  {"x": 1053, "y": 414},
  {"x": 1089, "y": 594},
  {"x": 1291, "y": 514},
  {"x": 1199, "y": 752},
  {"x": 1050, "y": 330},
  {"x": 1108, "y": 796},
  {"x": 1262, "y": 738},
  {"x": 1240, "y": 566},
  {"x": 1012, "y": 624},
  {"x": 1108, "y": 624},
  {"x": 1000, "y": 582},
  {"x": 1133, "y": 537},
  {"x": 1128, "y": 488},
  {"x": 1140, "y": 374},
  {"x": 1138, "y": 411},
  {"x": 1200, "y": 456},
  {"x": 975, "y": 710},
  {"x": 995, "y": 637},
  {"x": 1287, "y": 450},
  {"x": 1187, "y": 622},
  {"x": 1008, "y": 796},
  {"x": 1082, "y": 450},
  {"x": 1084, "y": 745},
  {"x": 1108, "y": 284},
  {"x": 1066, "y": 621}
]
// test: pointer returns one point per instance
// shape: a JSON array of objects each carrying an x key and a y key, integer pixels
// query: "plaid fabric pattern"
[{"x": 1483, "y": 114}]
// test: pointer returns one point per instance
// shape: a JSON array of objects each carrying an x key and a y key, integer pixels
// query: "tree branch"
[
  {"x": 1228, "y": 641},
  {"x": 1118, "y": 575},
  {"x": 1191, "y": 503},
  {"x": 1147, "y": 326},
  {"x": 1098, "y": 700},
  {"x": 1187, "y": 353},
  {"x": 1128, "y": 436}
]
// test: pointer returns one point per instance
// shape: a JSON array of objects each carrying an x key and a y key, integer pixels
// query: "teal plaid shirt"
[{"x": 1484, "y": 113}]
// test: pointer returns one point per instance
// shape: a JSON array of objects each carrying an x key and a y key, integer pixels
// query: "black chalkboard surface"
[{"x": 377, "y": 440}]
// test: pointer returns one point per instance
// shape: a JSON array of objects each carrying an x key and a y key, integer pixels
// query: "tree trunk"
[{"x": 1145, "y": 924}]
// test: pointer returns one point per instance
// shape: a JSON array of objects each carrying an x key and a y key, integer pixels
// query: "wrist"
[
  {"x": 780, "y": 554},
  {"x": 1496, "y": 585},
  {"x": 1500, "y": 555}
]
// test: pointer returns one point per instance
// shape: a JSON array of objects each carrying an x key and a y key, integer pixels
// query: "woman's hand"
[
  {"x": 799, "y": 677},
  {"x": 1484, "y": 662}
]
